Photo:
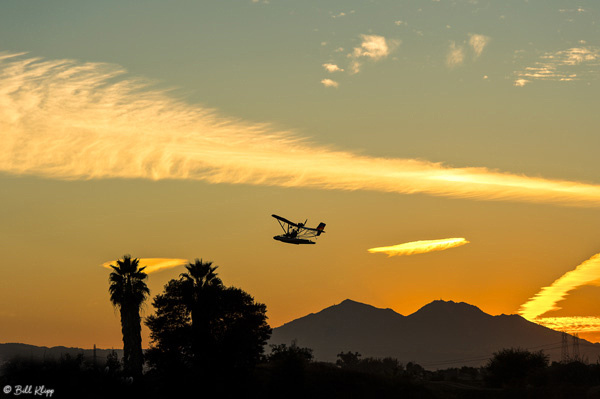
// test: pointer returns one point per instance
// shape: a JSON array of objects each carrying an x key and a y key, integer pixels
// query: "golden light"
[{"x": 420, "y": 247}]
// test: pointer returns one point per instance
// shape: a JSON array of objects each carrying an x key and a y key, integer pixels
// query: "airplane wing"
[{"x": 284, "y": 220}]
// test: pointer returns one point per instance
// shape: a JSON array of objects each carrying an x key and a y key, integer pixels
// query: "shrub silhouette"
[
  {"x": 288, "y": 365},
  {"x": 516, "y": 368}
]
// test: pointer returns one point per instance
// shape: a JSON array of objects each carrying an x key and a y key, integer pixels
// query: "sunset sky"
[{"x": 173, "y": 130}]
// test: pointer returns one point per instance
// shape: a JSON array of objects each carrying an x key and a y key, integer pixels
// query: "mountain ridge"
[
  {"x": 441, "y": 331},
  {"x": 11, "y": 350}
]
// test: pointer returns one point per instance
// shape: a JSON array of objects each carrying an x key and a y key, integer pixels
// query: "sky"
[{"x": 173, "y": 130}]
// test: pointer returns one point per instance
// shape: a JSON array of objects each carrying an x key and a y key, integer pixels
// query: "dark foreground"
[{"x": 74, "y": 377}]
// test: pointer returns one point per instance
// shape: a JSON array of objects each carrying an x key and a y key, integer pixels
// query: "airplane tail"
[{"x": 320, "y": 228}]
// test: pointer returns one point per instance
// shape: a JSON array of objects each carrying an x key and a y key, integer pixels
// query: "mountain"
[
  {"x": 441, "y": 334},
  {"x": 12, "y": 350}
]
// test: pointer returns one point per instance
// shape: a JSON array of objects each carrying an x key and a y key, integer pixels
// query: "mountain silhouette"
[
  {"x": 39, "y": 353},
  {"x": 441, "y": 334}
]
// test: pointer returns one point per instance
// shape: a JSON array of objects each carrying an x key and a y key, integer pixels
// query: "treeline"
[
  {"x": 290, "y": 371},
  {"x": 287, "y": 371}
]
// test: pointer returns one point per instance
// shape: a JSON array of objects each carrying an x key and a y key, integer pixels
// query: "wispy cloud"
[
  {"x": 153, "y": 265},
  {"x": 569, "y": 10},
  {"x": 457, "y": 52},
  {"x": 420, "y": 247},
  {"x": 329, "y": 83},
  {"x": 521, "y": 82},
  {"x": 576, "y": 63},
  {"x": 478, "y": 43},
  {"x": 68, "y": 120},
  {"x": 332, "y": 68},
  {"x": 372, "y": 47},
  {"x": 544, "y": 301},
  {"x": 455, "y": 55}
]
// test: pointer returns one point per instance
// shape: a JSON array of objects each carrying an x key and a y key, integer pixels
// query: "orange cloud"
[
  {"x": 546, "y": 300},
  {"x": 572, "y": 324},
  {"x": 420, "y": 247},
  {"x": 153, "y": 265}
]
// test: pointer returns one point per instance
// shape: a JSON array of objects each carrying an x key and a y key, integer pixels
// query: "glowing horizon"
[
  {"x": 88, "y": 125},
  {"x": 420, "y": 247},
  {"x": 571, "y": 324}
]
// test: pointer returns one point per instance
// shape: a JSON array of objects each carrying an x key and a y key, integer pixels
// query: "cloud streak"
[
  {"x": 546, "y": 300},
  {"x": 576, "y": 63},
  {"x": 420, "y": 247},
  {"x": 153, "y": 265},
  {"x": 68, "y": 120}
]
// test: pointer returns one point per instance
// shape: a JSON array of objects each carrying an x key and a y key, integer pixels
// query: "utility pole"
[
  {"x": 576, "y": 356},
  {"x": 564, "y": 350},
  {"x": 95, "y": 364}
]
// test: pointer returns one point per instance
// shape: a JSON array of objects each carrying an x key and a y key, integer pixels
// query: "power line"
[{"x": 562, "y": 345}]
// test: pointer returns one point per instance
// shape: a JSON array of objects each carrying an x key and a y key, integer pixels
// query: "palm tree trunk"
[
  {"x": 133, "y": 359},
  {"x": 137, "y": 356},
  {"x": 127, "y": 344}
]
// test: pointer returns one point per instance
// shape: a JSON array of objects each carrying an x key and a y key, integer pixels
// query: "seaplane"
[{"x": 297, "y": 233}]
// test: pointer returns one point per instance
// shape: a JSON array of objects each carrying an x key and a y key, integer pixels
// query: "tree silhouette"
[
  {"x": 201, "y": 289},
  {"x": 128, "y": 291},
  {"x": 283, "y": 353},
  {"x": 241, "y": 329},
  {"x": 348, "y": 360},
  {"x": 200, "y": 323},
  {"x": 170, "y": 331},
  {"x": 387, "y": 366}
]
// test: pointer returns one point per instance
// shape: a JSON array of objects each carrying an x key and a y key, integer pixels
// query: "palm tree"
[
  {"x": 128, "y": 291},
  {"x": 201, "y": 288}
]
